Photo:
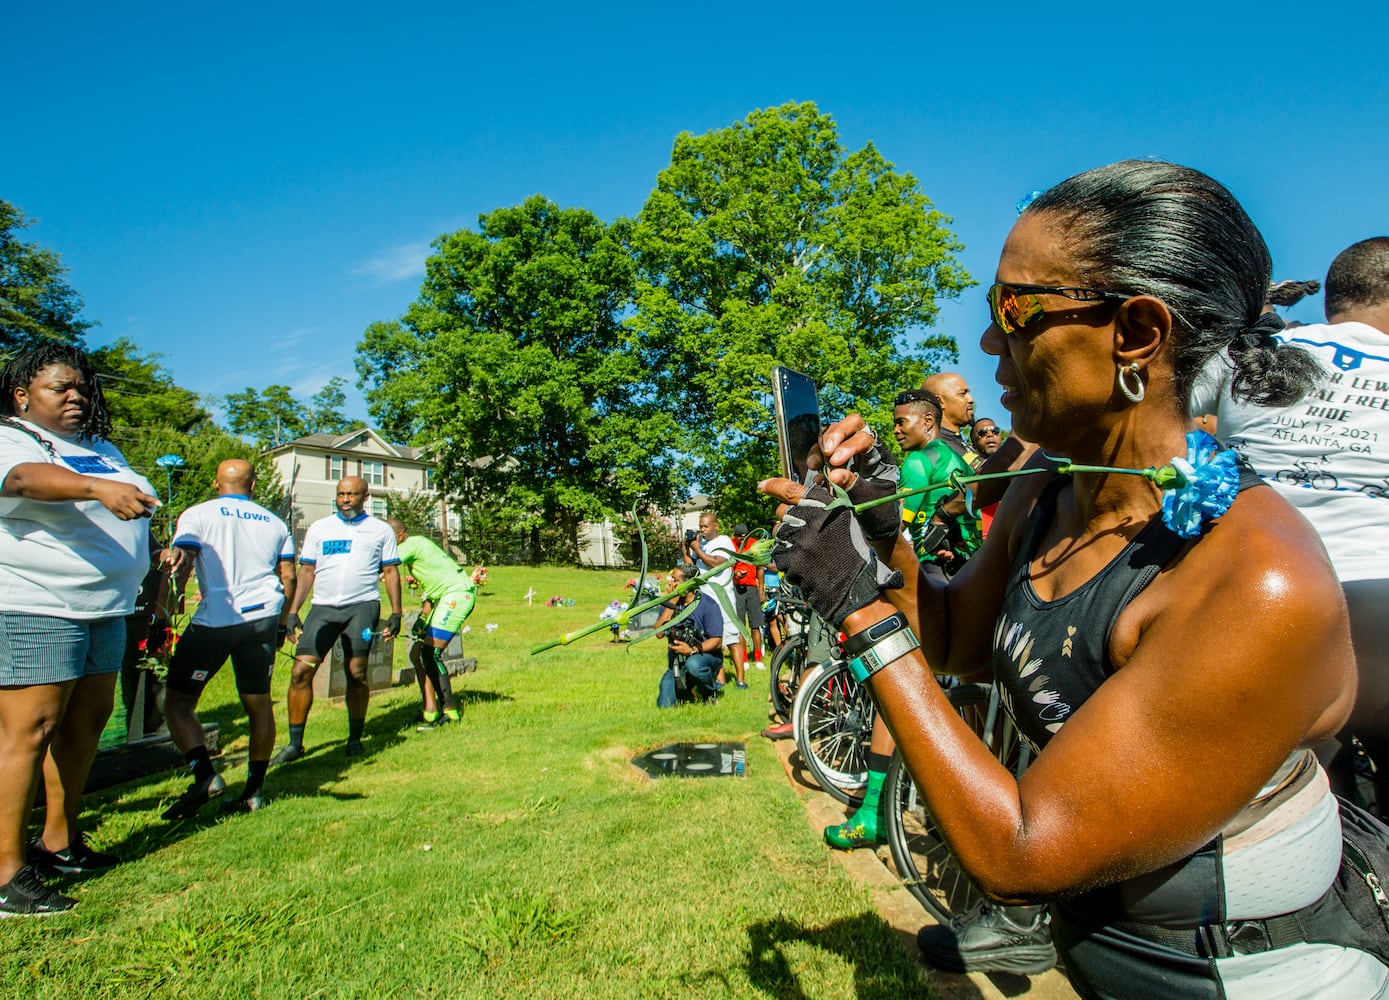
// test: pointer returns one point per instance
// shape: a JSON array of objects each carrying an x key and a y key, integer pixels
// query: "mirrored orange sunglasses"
[{"x": 1013, "y": 307}]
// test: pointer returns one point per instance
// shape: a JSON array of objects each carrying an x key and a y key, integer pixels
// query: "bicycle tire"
[
  {"x": 1324, "y": 481},
  {"x": 921, "y": 856},
  {"x": 833, "y": 722},
  {"x": 786, "y": 669},
  {"x": 1288, "y": 477}
]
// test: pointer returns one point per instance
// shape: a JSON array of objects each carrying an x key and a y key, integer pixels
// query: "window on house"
[
  {"x": 378, "y": 508},
  {"x": 334, "y": 467},
  {"x": 429, "y": 479},
  {"x": 374, "y": 473}
]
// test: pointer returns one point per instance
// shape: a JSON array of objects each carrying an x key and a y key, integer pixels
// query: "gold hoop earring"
[{"x": 1132, "y": 394}]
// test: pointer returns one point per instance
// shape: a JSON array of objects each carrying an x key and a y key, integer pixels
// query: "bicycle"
[
  {"x": 1304, "y": 473},
  {"x": 833, "y": 721},
  {"x": 788, "y": 664},
  {"x": 922, "y": 858}
]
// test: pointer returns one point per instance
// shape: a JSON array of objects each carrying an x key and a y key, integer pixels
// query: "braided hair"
[
  {"x": 21, "y": 370},
  {"x": 1290, "y": 293}
]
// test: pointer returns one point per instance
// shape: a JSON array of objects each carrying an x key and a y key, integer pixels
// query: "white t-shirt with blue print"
[
  {"x": 347, "y": 557},
  {"x": 70, "y": 559}
]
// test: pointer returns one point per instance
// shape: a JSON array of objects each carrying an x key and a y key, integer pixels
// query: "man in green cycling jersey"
[
  {"x": 943, "y": 544},
  {"x": 449, "y": 592}
]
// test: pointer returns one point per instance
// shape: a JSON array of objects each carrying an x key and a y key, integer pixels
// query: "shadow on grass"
[
  {"x": 882, "y": 969},
  {"x": 319, "y": 773}
]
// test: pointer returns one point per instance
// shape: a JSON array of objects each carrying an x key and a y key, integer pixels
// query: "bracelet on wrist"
[
  {"x": 879, "y": 655},
  {"x": 875, "y": 633}
]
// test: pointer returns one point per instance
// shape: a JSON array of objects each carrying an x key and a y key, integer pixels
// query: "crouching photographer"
[{"x": 694, "y": 646}]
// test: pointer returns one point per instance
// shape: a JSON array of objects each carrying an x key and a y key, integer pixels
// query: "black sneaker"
[
  {"x": 991, "y": 938},
  {"x": 76, "y": 859},
  {"x": 244, "y": 804},
  {"x": 289, "y": 752},
  {"x": 25, "y": 895},
  {"x": 192, "y": 800},
  {"x": 355, "y": 748}
]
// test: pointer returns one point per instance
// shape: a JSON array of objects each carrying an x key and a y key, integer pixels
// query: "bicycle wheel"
[
  {"x": 922, "y": 858},
  {"x": 833, "y": 719},
  {"x": 788, "y": 664},
  {"x": 1324, "y": 481}
]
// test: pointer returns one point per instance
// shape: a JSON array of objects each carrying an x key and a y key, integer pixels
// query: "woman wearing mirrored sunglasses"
[{"x": 1172, "y": 685}]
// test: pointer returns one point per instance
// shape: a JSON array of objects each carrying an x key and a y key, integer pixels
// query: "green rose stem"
[
  {"x": 1165, "y": 478},
  {"x": 759, "y": 555}
]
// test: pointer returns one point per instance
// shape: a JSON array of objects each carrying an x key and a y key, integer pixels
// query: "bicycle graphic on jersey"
[
  {"x": 1380, "y": 489},
  {"x": 1305, "y": 473}
]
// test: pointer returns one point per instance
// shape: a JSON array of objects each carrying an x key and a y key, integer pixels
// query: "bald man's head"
[
  {"x": 352, "y": 497},
  {"x": 398, "y": 526},
  {"x": 235, "y": 475},
  {"x": 956, "y": 403}
]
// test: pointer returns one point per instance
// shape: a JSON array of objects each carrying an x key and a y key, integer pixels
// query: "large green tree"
[
  {"x": 36, "y": 302},
  {"x": 141, "y": 392},
  {"x": 514, "y": 368},
  {"x": 327, "y": 413},
  {"x": 275, "y": 415},
  {"x": 767, "y": 243}
]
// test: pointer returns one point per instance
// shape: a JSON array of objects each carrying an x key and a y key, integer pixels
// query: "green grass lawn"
[{"x": 518, "y": 854}]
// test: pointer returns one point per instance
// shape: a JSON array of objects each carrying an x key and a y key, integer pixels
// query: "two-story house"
[{"x": 311, "y": 466}]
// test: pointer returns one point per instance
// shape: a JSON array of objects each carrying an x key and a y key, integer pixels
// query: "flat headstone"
[{"x": 694, "y": 760}]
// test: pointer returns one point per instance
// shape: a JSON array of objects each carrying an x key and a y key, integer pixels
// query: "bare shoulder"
[{"x": 1254, "y": 604}]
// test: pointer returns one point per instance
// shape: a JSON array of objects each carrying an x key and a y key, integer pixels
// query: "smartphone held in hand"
[{"x": 797, "y": 424}]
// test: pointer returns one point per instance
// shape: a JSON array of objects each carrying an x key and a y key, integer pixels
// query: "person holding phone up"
[{"x": 1174, "y": 656}]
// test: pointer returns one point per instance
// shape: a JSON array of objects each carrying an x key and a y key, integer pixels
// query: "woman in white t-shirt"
[{"x": 74, "y": 545}]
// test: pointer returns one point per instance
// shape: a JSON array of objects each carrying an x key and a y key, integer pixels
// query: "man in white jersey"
[
  {"x": 710, "y": 548},
  {"x": 343, "y": 555},
  {"x": 1329, "y": 457},
  {"x": 244, "y": 556}
]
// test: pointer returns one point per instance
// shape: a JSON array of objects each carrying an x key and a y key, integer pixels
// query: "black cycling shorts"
[
  {"x": 326, "y": 625},
  {"x": 201, "y": 651}
]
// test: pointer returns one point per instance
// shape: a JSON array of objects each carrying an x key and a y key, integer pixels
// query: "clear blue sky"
[{"x": 244, "y": 188}]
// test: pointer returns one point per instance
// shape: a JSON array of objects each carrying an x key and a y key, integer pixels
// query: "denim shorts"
[{"x": 41, "y": 649}]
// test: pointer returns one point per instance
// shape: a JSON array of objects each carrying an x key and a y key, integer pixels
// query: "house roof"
[{"x": 347, "y": 442}]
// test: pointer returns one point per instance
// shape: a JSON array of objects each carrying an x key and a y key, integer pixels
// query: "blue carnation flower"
[{"x": 1211, "y": 482}]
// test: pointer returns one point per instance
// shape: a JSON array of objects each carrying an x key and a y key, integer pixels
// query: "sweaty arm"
[
  {"x": 50, "y": 483},
  {"x": 709, "y": 559},
  {"x": 302, "y": 586},
  {"x": 1170, "y": 747},
  {"x": 391, "y": 575},
  {"x": 290, "y": 582}
]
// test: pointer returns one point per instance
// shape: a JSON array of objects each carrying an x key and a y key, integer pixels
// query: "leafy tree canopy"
[
  {"x": 141, "y": 392},
  {"x": 768, "y": 243},
  {"x": 273, "y": 415},
  {"x": 416, "y": 509},
  {"x": 514, "y": 367},
  {"x": 36, "y": 302}
]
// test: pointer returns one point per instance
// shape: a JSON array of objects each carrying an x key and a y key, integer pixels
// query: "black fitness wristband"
[{"x": 875, "y": 633}]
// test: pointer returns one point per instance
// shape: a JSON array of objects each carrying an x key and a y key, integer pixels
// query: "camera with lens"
[
  {"x": 687, "y": 632},
  {"x": 690, "y": 535}
]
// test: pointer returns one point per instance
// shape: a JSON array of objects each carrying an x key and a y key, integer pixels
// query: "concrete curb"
[{"x": 900, "y": 909}]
